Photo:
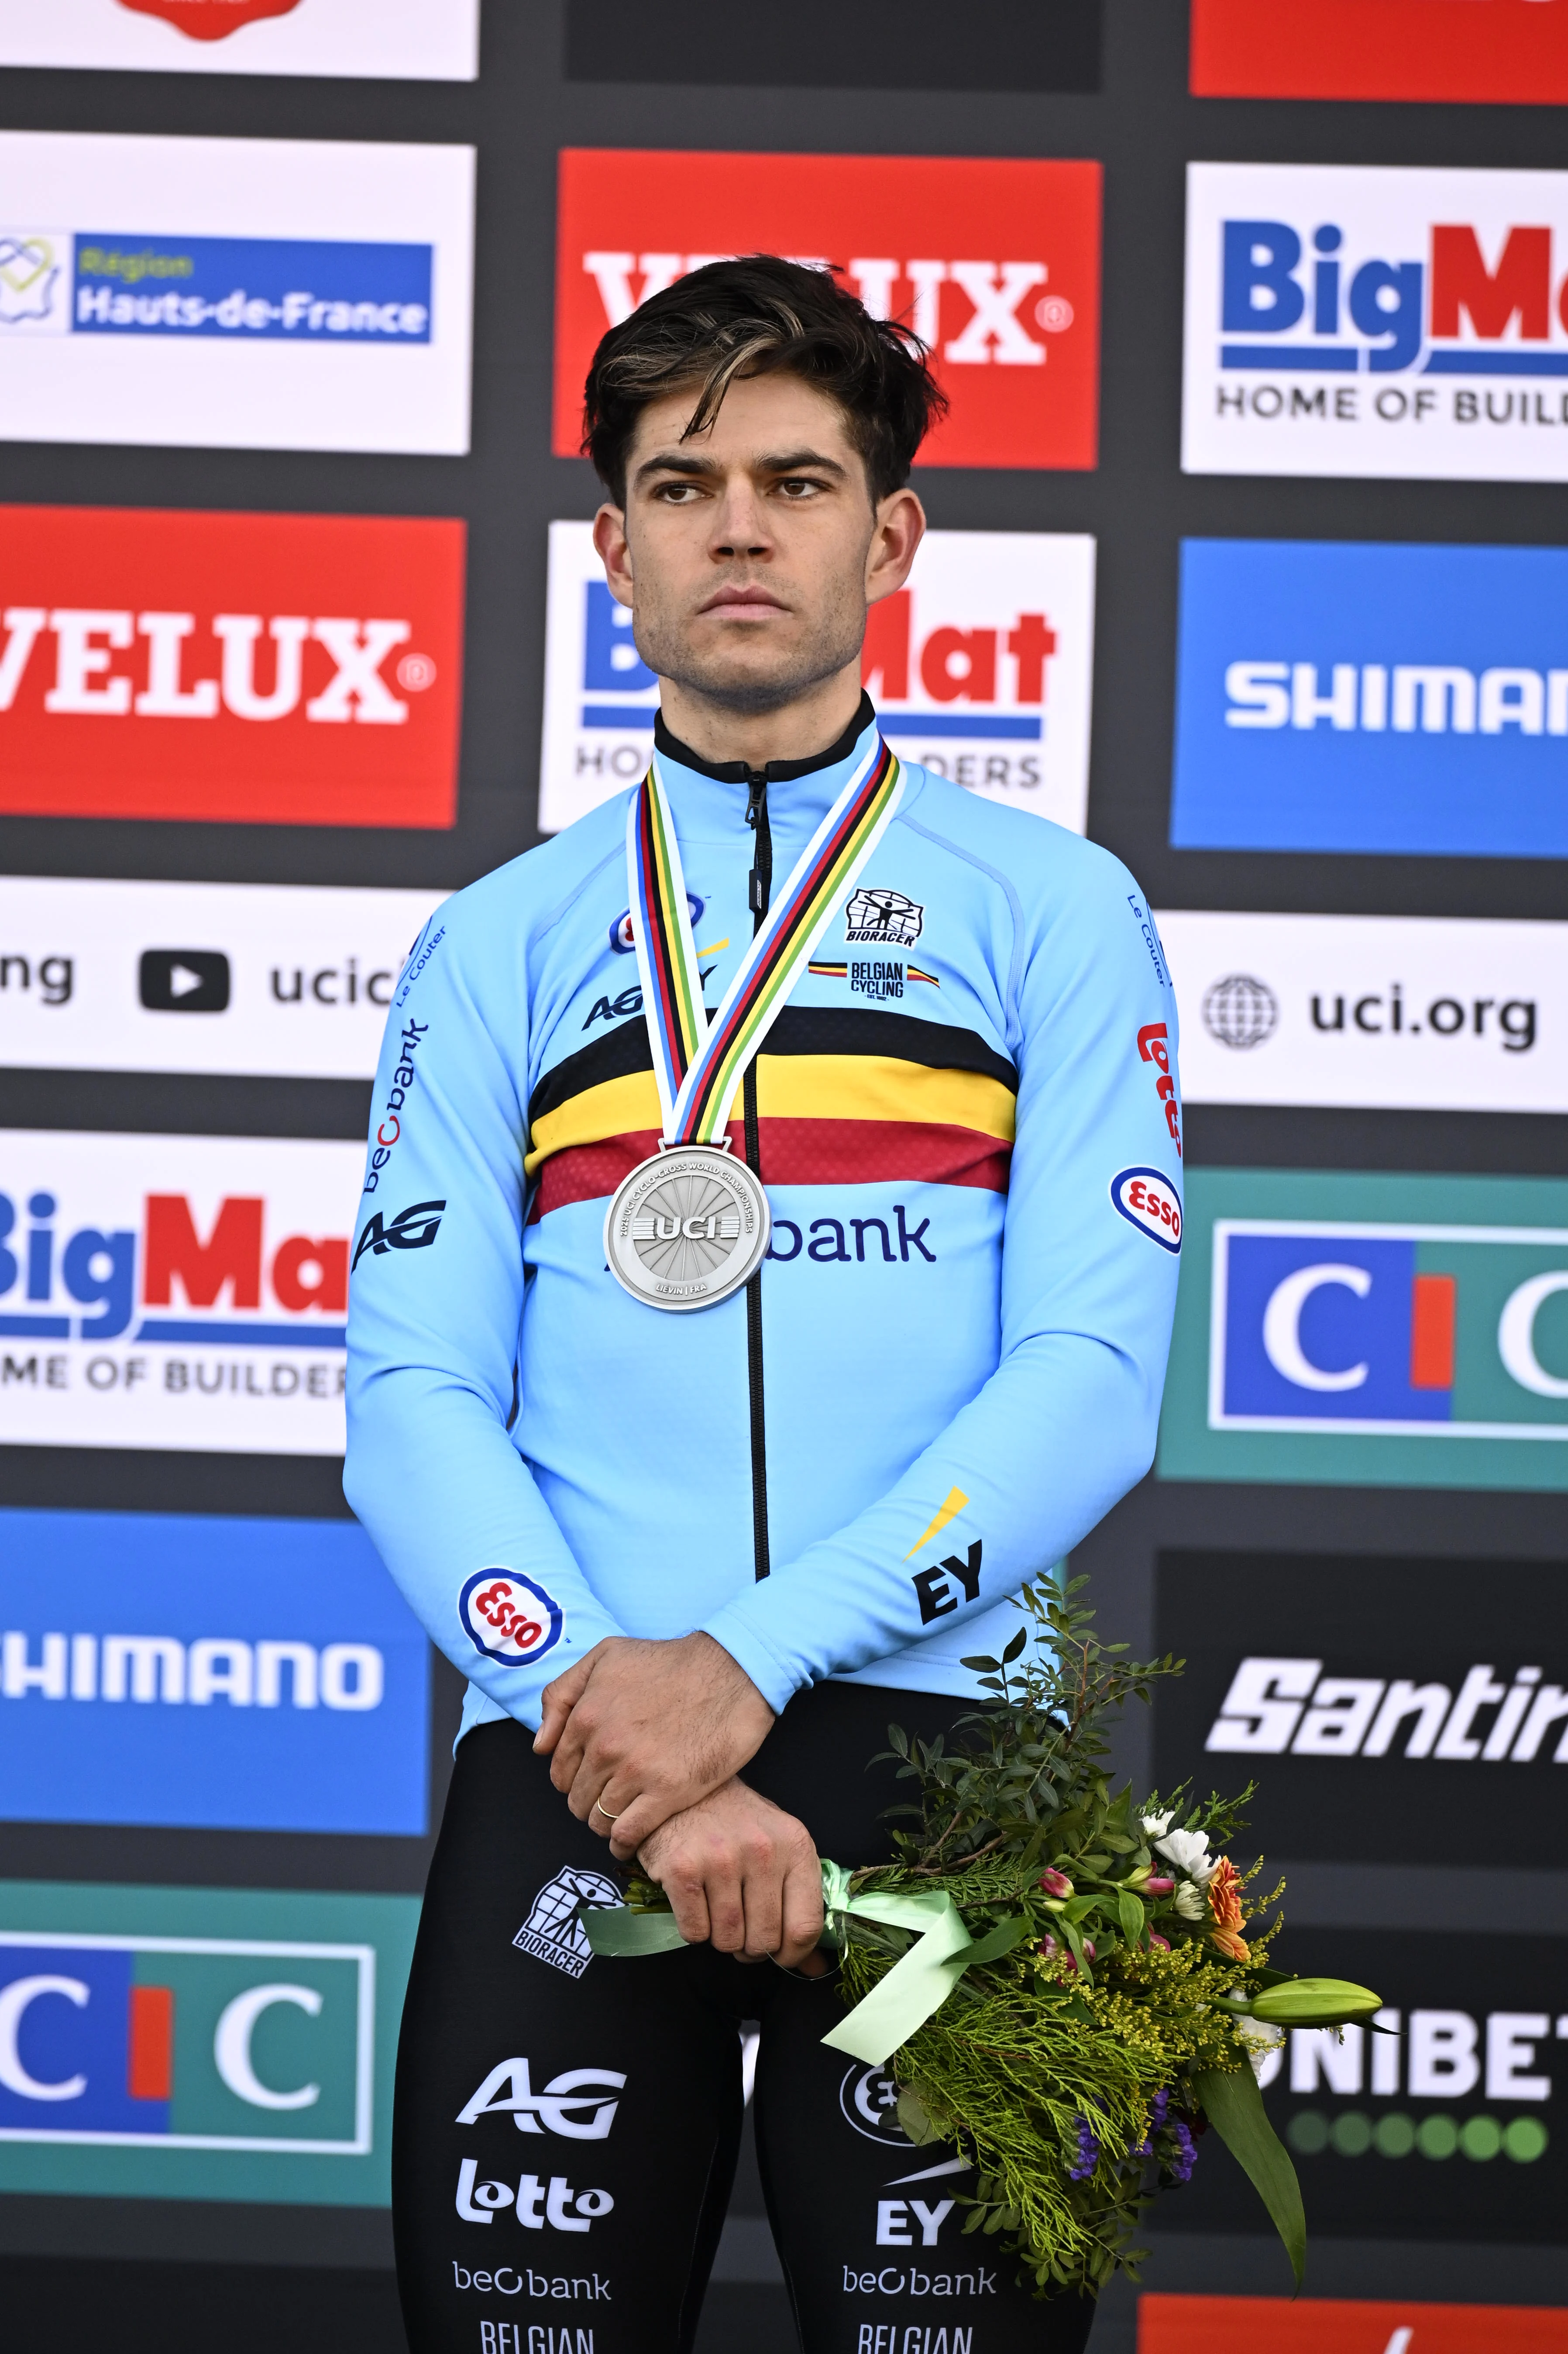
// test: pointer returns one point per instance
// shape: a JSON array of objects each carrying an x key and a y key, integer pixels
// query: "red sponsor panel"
[
  {"x": 1246, "y": 2325},
  {"x": 1490, "y": 52},
  {"x": 210, "y": 20},
  {"x": 284, "y": 669},
  {"x": 996, "y": 264}
]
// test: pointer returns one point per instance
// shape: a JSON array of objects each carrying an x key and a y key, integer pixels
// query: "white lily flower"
[
  {"x": 1189, "y": 1852},
  {"x": 1156, "y": 1825},
  {"x": 1191, "y": 1902}
]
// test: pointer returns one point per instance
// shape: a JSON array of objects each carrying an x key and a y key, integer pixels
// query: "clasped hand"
[{"x": 645, "y": 1740}]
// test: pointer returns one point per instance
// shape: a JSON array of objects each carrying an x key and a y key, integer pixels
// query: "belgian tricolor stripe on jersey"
[{"x": 851, "y": 1097}]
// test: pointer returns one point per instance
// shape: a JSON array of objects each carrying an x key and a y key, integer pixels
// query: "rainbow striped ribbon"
[{"x": 699, "y": 1065}]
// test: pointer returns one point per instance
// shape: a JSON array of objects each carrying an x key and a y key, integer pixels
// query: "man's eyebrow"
[{"x": 789, "y": 462}]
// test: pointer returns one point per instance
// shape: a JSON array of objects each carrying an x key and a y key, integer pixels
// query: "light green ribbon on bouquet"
[{"x": 917, "y": 1985}]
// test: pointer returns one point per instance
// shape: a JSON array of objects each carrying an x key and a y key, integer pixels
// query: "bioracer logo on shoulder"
[
  {"x": 1374, "y": 320},
  {"x": 980, "y": 670}
]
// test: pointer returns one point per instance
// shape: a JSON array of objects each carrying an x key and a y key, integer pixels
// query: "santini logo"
[{"x": 1279, "y": 1704}]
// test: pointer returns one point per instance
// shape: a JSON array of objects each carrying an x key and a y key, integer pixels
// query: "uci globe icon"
[{"x": 1240, "y": 1011}]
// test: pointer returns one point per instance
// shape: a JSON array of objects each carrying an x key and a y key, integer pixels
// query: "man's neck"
[{"x": 796, "y": 731}]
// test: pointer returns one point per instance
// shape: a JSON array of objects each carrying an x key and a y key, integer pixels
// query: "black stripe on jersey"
[{"x": 800, "y": 1030}]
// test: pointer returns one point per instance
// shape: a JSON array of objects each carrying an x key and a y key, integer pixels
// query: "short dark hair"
[{"x": 762, "y": 317}]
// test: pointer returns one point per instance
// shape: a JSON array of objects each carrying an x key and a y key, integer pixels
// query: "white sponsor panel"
[
  {"x": 982, "y": 669},
  {"x": 1361, "y": 319},
  {"x": 174, "y": 1291},
  {"x": 1413, "y": 1012},
  {"x": 270, "y": 979},
  {"x": 236, "y": 293},
  {"x": 387, "y": 40}
]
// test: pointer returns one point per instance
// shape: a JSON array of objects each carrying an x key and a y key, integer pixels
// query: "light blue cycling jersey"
[{"x": 967, "y": 1122}]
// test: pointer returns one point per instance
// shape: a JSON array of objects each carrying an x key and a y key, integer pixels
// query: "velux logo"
[{"x": 229, "y": 666}]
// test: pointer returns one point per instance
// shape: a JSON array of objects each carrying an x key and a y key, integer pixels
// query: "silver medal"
[{"x": 687, "y": 1227}]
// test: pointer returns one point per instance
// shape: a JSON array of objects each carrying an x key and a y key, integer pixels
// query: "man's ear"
[
  {"x": 899, "y": 529},
  {"x": 615, "y": 555}
]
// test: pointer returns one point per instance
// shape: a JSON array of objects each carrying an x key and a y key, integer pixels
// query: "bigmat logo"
[
  {"x": 215, "y": 1674},
  {"x": 982, "y": 669},
  {"x": 1485, "y": 52},
  {"x": 1446, "y": 2123},
  {"x": 1424, "y": 1013},
  {"x": 290, "y": 980},
  {"x": 422, "y": 40},
  {"x": 1340, "y": 696},
  {"x": 199, "y": 2044},
  {"x": 1015, "y": 333},
  {"x": 302, "y": 670},
  {"x": 1380, "y": 1709},
  {"x": 235, "y": 293},
  {"x": 1371, "y": 1330},
  {"x": 174, "y": 1291},
  {"x": 1349, "y": 319},
  {"x": 1240, "y": 2324}
]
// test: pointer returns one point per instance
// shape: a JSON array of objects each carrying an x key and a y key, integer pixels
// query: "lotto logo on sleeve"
[
  {"x": 509, "y": 1618},
  {"x": 1340, "y": 696},
  {"x": 1495, "y": 52},
  {"x": 980, "y": 669},
  {"x": 240, "y": 293},
  {"x": 1014, "y": 334},
  {"x": 301, "y": 669},
  {"x": 1357, "y": 320},
  {"x": 1399, "y": 1331}
]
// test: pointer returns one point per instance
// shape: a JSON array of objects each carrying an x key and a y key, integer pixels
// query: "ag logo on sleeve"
[{"x": 508, "y": 1617}]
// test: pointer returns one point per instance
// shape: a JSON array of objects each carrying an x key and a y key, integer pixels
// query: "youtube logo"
[{"x": 183, "y": 981}]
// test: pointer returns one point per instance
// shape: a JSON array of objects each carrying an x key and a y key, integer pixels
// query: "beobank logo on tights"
[
  {"x": 995, "y": 262},
  {"x": 272, "y": 669},
  {"x": 1485, "y": 52}
]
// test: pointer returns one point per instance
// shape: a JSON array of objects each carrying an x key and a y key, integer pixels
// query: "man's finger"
[
  {"x": 559, "y": 1700},
  {"x": 726, "y": 1905},
  {"x": 688, "y": 1902},
  {"x": 637, "y": 1823},
  {"x": 802, "y": 1917}
]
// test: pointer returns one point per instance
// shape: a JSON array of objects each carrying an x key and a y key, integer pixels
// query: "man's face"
[{"x": 748, "y": 554}]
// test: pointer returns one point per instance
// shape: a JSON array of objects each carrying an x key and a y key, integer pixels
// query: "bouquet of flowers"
[{"x": 1067, "y": 1987}]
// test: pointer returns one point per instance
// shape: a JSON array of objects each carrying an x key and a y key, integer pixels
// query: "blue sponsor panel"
[
  {"x": 1384, "y": 699},
  {"x": 300, "y": 290},
  {"x": 208, "y": 1674},
  {"x": 1322, "y": 1325}
]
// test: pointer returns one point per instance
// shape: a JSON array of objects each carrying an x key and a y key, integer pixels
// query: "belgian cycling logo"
[
  {"x": 554, "y": 1933},
  {"x": 30, "y": 276},
  {"x": 868, "y": 2098},
  {"x": 884, "y": 919},
  {"x": 508, "y": 1617}
]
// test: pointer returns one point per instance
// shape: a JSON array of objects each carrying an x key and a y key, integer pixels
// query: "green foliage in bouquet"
[{"x": 1076, "y": 2066}]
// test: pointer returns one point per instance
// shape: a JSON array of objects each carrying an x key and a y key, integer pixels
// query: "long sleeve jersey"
[{"x": 967, "y": 1123}]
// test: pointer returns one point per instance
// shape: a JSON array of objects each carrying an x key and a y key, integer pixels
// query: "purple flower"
[
  {"x": 1186, "y": 2157},
  {"x": 1089, "y": 2153},
  {"x": 1157, "y": 2109}
]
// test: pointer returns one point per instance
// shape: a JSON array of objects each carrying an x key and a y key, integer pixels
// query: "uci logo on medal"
[{"x": 509, "y": 1618}]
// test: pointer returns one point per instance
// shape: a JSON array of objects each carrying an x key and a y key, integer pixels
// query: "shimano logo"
[{"x": 1275, "y": 1705}]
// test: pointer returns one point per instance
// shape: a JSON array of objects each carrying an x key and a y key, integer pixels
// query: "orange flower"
[{"x": 1225, "y": 1910}]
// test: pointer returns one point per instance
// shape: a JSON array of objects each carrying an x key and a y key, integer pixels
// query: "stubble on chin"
[{"x": 750, "y": 681}]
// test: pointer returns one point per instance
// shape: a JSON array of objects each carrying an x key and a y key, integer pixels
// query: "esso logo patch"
[
  {"x": 1150, "y": 1203},
  {"x": 508, "y": 1617}
]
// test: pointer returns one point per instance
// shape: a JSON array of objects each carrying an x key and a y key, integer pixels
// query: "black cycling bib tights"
[{"x": 566, "y": 2127}]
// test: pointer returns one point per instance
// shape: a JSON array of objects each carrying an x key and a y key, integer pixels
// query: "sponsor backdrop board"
[
  {"x": 1015, "y": 335},
  {"x": 982, "y": 669},
  {"x": 302, "y": 670},
  {"x": 1367, "y": 319},
  {"x": 1240, "y": 2324},
  {"x": 290, "y": 980},
  {"x": 1380, "y": 1331},
  {"x": 200, "y": 2043},
  {"x": 401, "y": 40},
  {"x": 174, "y": 1291},
  {"x": 209, "y": 1673},
  {"x": 1340, "y": 696},
  {"x": 235, "y": 293},
  {"x": 1486, "y": 52},
  {"x": 1424, "y": 1013},
  {"x": 1367, "y": 1697},
  {"x": 1453, "y": 2124}
]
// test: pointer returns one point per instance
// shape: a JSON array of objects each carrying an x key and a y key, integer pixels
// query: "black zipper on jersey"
[{"x": 760, "y": 887}]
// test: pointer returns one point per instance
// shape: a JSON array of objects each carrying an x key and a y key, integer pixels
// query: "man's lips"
[{"x": 743, "y": 603}]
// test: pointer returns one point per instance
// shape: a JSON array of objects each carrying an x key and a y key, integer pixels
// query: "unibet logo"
[
  {"x": 187, "y": 2042},
  {"x": 1433, "y": 2056}
]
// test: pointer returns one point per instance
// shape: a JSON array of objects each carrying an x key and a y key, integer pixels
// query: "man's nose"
[{"x": 740, "y": 526}]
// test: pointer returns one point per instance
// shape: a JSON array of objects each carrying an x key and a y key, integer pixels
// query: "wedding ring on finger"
[{"x": 598, "y": 1809}]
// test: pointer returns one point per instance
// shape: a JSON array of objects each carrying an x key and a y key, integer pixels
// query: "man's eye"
[
  {"x": 798, "y": 489},
  {"x": 676, "y": 493}
]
